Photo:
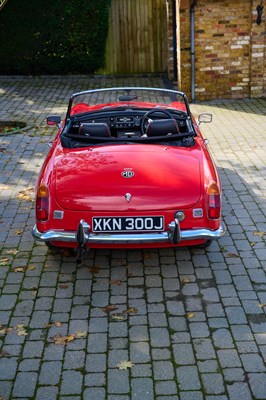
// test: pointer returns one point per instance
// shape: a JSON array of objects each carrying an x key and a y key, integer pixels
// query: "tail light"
[
  {"x": 213, "y": 201},
  {"x": 42, "y": 203}
]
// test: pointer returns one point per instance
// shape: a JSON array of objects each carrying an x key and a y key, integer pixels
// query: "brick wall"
[{"x": 229, "y": 49}]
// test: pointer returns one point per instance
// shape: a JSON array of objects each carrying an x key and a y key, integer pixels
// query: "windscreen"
[{"x": 127, "y": 98}]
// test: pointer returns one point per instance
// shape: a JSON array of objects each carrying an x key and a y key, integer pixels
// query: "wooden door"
[{"x": 137, "y": 38}]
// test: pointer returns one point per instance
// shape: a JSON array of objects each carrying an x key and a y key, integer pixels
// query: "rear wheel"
[
  {"x": 59, "y": 249},
  {"x": 205, "y": 244}
]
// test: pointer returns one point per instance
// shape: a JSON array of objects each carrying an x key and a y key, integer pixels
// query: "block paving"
[{"x": 189, "y": 323}]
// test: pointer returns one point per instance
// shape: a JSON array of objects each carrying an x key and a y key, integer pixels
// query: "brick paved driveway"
[{"x": 191, "y": 321}]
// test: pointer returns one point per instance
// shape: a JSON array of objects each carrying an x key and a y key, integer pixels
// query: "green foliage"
[{"x": 53, "y": 37}]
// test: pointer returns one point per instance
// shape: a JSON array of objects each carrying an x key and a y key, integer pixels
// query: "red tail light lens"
[
  {"x": 42, "y": 203},
  {"x": 213, "y": 201}
]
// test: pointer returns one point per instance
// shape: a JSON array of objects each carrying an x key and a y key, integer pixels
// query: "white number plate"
[{"x": 127, "y": 224}]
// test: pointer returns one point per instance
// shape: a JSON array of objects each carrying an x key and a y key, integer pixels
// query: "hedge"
[{"x": 53, "y": 36}]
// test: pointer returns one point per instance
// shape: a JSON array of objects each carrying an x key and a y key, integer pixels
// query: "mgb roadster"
[{"x": 128, "y": 168}]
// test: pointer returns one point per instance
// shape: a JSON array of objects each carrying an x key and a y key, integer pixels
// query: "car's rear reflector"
[{"x": 42, "y": 203}]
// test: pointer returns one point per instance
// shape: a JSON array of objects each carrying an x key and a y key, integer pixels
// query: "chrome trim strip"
[{"x": 113, "y": 238}]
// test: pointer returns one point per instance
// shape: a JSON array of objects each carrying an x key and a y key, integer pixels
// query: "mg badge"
[
  {"x": 128, "y": 197},
  {"x": 127, "y": 173}
]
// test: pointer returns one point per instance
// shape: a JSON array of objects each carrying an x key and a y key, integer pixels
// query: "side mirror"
[
  {"x": 204, "y": 117},
  {"x": 54, "y": 120}
]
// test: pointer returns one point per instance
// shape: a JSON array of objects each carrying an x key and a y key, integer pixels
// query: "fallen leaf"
[
  {"x": 20, "y": 329},
  {"x": 94, "y": 270},
  {"x": 3, "y": 353},
  {"x": 5, "y": 151},
  {"x": 261, "y": 305},
  {"x": 26, "y": 195},
  {"x": 118, "y": 317},
  {"x": 259, "y": 233},
  {"x": 63, "y": 286},
  {"x": 49, "y": 325},
  {"x": 131, "y": 310},
  {"x": 4, "y": 187},
  {"x": 19, "y": 269},
  {"x": 4, "y": 261},
  {"x": 12, "y": 252},
  {"x": 58, "y": 324},
  {"x": 19, "y": 326},
  {"x": 190, "y": 315},
  {"x": 4, "y": 330},
  {"x": 62, "y": 340},
  {"x": 80, "y": 334},
  {"x": 22, "y": 332},
  {"x": 108, "y": 309},
  {"x": 31, "y": 267},
  {"x": 184, "y": 281},
  {"x": 232, "y": 255},
  {"x": 125, "y": 365},
  {"x": 116, "y": 282},
  {"x": 18, "y": 232}
]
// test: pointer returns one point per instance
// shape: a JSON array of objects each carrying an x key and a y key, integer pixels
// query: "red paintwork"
[
  {"x": 87, "y": 182},
  {"x": 161, "y": 177},
  {"x": 83, "y": 107}
]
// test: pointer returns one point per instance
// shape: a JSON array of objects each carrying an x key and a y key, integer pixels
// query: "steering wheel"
[{"x": 146, "y": 116}]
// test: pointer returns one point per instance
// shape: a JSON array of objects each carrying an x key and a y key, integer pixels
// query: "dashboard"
[{"x": 126, "y": 122}]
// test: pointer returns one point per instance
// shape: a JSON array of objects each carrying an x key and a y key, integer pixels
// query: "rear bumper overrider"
[{"x": 174, "y": 235}]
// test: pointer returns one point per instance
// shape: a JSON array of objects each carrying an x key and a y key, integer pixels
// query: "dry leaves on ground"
[
  {"x": 259, "y": 233},
  {"x": 94, "y": 270},
  {"x": 109, "y": 308},
  {"x": 58, "y": 324},
  {"x": 125, "y": 365},
  {"x": 26, "y": 195},
  {"x": 12, "y": 252},
  {"x": 131, "y": 310},
  {"x": 4, "y": 261},
  {"x": 4, "y": 187},
  {"x": 118, "y": 317},
  {"x": 23, "y": 269},
  {"x": 64, "y": 340},
  {"x": 184, "y": 281},
  {"x": 116, "y": 282},
  {"x": 4, "y": 353},
  {"x": 19, "y": 329},
  {"x": 63, "y": 286},
  {"x": 232, "y": 255}
]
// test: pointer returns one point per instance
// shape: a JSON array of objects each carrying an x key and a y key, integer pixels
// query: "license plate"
[{"x": 128, "y": 224}]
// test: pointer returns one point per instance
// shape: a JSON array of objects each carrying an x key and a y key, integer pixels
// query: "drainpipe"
[
  {"x": 192, "y": 47},
  {"x": 174, "y": 40}
]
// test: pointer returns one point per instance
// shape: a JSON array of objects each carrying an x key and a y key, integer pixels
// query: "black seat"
[
  {"x": 97, "y": 129},
  {"x": 162, "y": 127}
]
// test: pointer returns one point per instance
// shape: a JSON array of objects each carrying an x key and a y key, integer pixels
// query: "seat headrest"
[
  {"x": 96, "y": 129},
  {"x": 162, "y": 127}
]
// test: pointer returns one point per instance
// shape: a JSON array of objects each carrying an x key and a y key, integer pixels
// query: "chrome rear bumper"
[{"x": 174, "y": 235}]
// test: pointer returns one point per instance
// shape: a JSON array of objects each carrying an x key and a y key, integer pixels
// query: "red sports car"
[{"x": 128, "y": 168}]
